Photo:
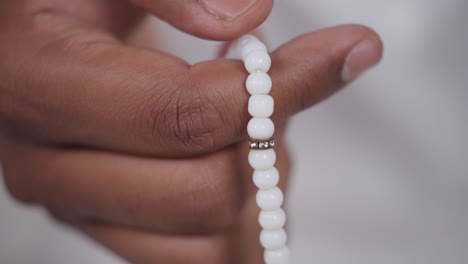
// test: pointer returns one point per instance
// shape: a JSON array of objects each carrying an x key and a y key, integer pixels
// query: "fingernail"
[
  {"x": 227, "y": 9},
  {"x": 362, "y": 57}
]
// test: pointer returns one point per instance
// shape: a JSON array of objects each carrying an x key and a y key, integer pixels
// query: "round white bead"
[
  {"x": 266, "y": 179},
  {"x": 261, "y": 105},
  {"x": 272, "y": 219},
  {"x": 262, "y": 159},
  {"x": 273, "y": 239},
  {"x": 270, "y": 199},
  {"x": 239, "y": 44},
  {"x": 252, "y": 45},
  {"x": 279, "y": 256},
  {"x": 260, "y": 128},
  {"x": 258, "y": 83},
  {"x": 257, "y": 60},
  {"x": 242, "y": 41}
]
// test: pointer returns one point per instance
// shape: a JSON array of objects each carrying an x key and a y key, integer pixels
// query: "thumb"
[{"x": 211, "y": 19}]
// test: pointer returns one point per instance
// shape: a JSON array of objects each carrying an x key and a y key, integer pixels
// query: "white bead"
[
  {"x": 275, "y": 219},
  {"x": 266, "y": 179},
  {"x": 242, "y": 41},
  {"x": 257, "y": 60},
  {"x": 252, "y": 45},
  {"x": 270, "y": 199},
  {"x": 260, "y": 128},
  {"x": 258, "y": 83},
  {"x": 279, "y": 256},
  {"x": 261, "y": 105},
  {"x": 273, "y": 239},
  {"x": 237, "y": 47},
  {"x": 262, "y": 159}
]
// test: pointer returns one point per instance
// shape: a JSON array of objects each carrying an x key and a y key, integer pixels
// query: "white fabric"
[{"x": 380, "y": 170}]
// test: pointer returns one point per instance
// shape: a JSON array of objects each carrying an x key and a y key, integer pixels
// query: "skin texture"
[{"x": 136, "y": 148}]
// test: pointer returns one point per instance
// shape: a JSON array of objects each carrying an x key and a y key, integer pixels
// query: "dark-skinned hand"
[{"x": 136, "y": 148}]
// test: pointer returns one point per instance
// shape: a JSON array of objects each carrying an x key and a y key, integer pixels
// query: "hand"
[{"x": 136, "y": 148}]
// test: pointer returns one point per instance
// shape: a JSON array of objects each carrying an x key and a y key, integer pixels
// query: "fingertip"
[
  {"x": 316, "y": 65},
  {"x": 364, "y": 32},
  {"x": 366, "y": 53},
  {"x": 217, "y": 26},
  {"x": 362, "y": 57},
  {"x": 227, "y": 10},
  {"x": 351, "y": 49},
  {"x": 211, "y": 19}
]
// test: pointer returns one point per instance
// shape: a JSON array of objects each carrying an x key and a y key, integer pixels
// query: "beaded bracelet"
[{"x": 262, "y": 156}]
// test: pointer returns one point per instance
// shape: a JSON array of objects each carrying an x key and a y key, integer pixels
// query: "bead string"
[{"x": 262, "y": 156}]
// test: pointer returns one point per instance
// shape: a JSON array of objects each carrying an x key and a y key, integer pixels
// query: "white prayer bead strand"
[
  {"x": 261, "y": 105},
  {"x": 274, "y": 219},
  {"x": 260, "y": 128},
  {"x": 239, "y": 44},
  {"x": 266, "y": 179},
  {"x": 279, "y": 256},
  {"x": 262, "y": 157},
  {"x": 257, "y": 61},
  {"x": 242, "y": 41},
  {"x": 273, "y": 239},
  {"x": 258, "y": 83},
  {"x": 270, "y": 199},
  {"x": 250, "y": 46}
]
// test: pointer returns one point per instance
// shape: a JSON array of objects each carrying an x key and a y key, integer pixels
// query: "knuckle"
[
  {"x": 62, "y": 33},
  {"x": 27, "y": 174},
  {"x": 190, "y": 120},
  {"x": 215, "y": 202},
  {"x": 316, "y": 86},
  {"x": 16, "y": 186},
  {"x": 15, "y": 107},
  {"x": 212, "y": 251},
  {"x": 50, "y": 37}
]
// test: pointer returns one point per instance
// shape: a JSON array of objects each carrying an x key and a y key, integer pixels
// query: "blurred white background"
[{"x": 381, "y": 169}]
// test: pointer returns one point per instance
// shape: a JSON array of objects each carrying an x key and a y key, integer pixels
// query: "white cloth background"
[{"x": 380, "y": 169}]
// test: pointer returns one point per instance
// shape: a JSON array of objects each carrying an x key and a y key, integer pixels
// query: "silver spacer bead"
[{"x": 261, "y": 144}]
